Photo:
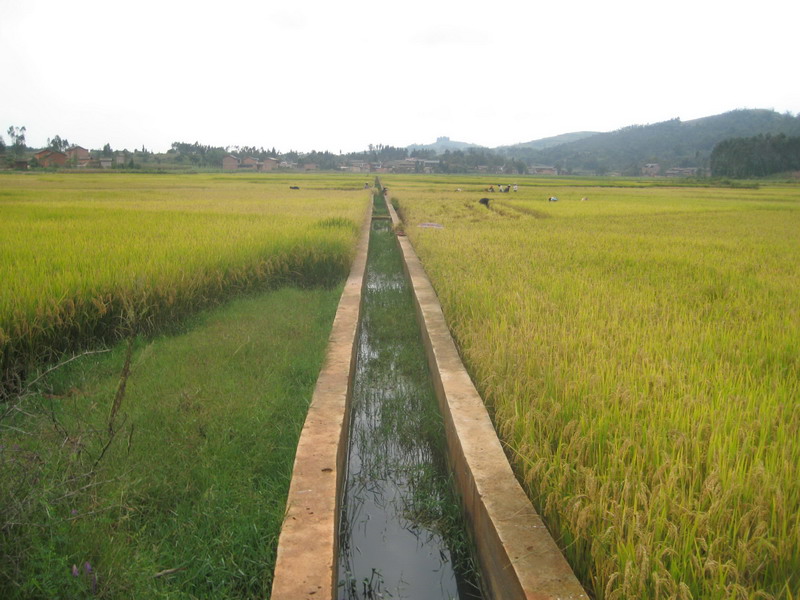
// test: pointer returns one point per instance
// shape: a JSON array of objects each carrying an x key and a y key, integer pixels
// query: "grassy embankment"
[
  {"x": 640, "y": 353},
  {"x": 167, "y": 481}
]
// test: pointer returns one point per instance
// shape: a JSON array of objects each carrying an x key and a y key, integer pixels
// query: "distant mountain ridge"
[
  {"x": 441, "y": 144},
  {"x": 549, "y": 142},
  {"x": 672, "y": 143}
]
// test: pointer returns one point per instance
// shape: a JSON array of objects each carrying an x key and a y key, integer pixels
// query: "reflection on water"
[
  {"x": 399, "y": 533},
  {"x": 384, "y": 281}
]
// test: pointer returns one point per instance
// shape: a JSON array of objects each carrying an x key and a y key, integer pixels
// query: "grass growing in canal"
[
  {"x": 181, "y": 493},
  {"x": 396, "y": 466}
]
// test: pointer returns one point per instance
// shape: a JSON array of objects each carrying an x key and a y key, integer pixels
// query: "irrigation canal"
[{"x": 401, "y": 532}]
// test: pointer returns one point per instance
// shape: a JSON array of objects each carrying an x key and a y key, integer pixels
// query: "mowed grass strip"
[
  {"x": 186, "y": 498},
  {"x": 640, "y": 353},
  {"x": 87, "y": 257}
]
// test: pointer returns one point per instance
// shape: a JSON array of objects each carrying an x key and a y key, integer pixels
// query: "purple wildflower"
[{"x": 75, "y": 572}]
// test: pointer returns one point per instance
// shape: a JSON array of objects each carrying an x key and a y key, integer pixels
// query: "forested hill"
[
  {"x": 548, "y": 142},
  {"x": 673, "y": 143}
]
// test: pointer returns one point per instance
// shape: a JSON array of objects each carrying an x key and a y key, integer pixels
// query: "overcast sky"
[{"x": 325, "y": 75}]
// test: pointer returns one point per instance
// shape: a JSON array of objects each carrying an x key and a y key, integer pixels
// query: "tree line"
[
  {"x": 211, "y": 156},
  {"x": 756, "y": 156},
  {"x": 671, "y": 143}
]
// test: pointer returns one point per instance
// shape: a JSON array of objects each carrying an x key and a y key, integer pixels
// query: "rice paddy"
[
  {"x": 158, "y": 467},
  {"x": 639, "y": 351},
  {"x": 84, "y": 257}
]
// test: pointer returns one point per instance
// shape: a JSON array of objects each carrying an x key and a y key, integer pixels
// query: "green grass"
[{"x": 196, "y": 475}]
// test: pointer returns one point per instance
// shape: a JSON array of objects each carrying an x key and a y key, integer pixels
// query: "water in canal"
[{"x": 401, "y": 533}]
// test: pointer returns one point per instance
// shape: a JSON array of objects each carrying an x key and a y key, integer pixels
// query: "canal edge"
[
  {"x": 517, "y": 555},
  {"x": 306, "y": 561}
]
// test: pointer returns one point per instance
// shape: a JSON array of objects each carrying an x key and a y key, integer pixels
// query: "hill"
[
  {"x": 672, "y": 143},
  {"x": 548, "y": 142},
  {"x": 441, "y": 144}
]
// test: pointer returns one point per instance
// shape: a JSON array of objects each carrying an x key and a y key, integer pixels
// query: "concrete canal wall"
[
  {"x": 305, "y": 567},
  {"x": 517, "y": 555}
]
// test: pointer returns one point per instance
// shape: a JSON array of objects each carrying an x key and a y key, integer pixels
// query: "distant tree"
[
  {"x": 324, "y": 160},
  {"x": 107, "y": 151},
  {"x": 632, "y": 170},
  {"x": 424, "y": 154},
  {"x": 57, "y": 144},
  {"x": 17, "y": 135},
  {"x": 202, "y": 155},
  {"x": 756, "y": 156},
  {"x": 2, "y": 145}
]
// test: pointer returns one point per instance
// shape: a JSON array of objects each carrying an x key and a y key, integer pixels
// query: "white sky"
[{"x": 325, "y": 75}]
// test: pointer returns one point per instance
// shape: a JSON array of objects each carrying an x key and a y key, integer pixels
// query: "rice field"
[
  {"x": 159, "y": 466},
  {"x": 88, "y": 256},
  {"x": 640, "y": 352}
]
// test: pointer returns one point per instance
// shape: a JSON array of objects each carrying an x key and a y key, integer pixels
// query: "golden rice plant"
[
  {"x": 640, "y": 352},
  {"x": 85, "y": 257}
]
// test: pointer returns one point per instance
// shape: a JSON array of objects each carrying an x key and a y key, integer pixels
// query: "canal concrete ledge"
[
  {"x": 305, "y": 566},
  {"x": 517, "y": 555}
]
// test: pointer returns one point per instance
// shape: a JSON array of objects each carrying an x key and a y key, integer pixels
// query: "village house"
[
  {"x": 651, "y": 169},
  {"x": 406, "y": 165},
  {"x": 412, "y": 165},
  {"x": 78, "y": 156},
  {"x": 230, "y": 163},
  {"x": 357, "y": 166},
  {"x": 270, "y": 164},
  {"x": 249, "y": 164},
  {"x": 542, "y": 170},
  {"x": 428, "y": 166},
  {"x": 51, "y": 158},
  {"x": 681, "y": 172}
]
